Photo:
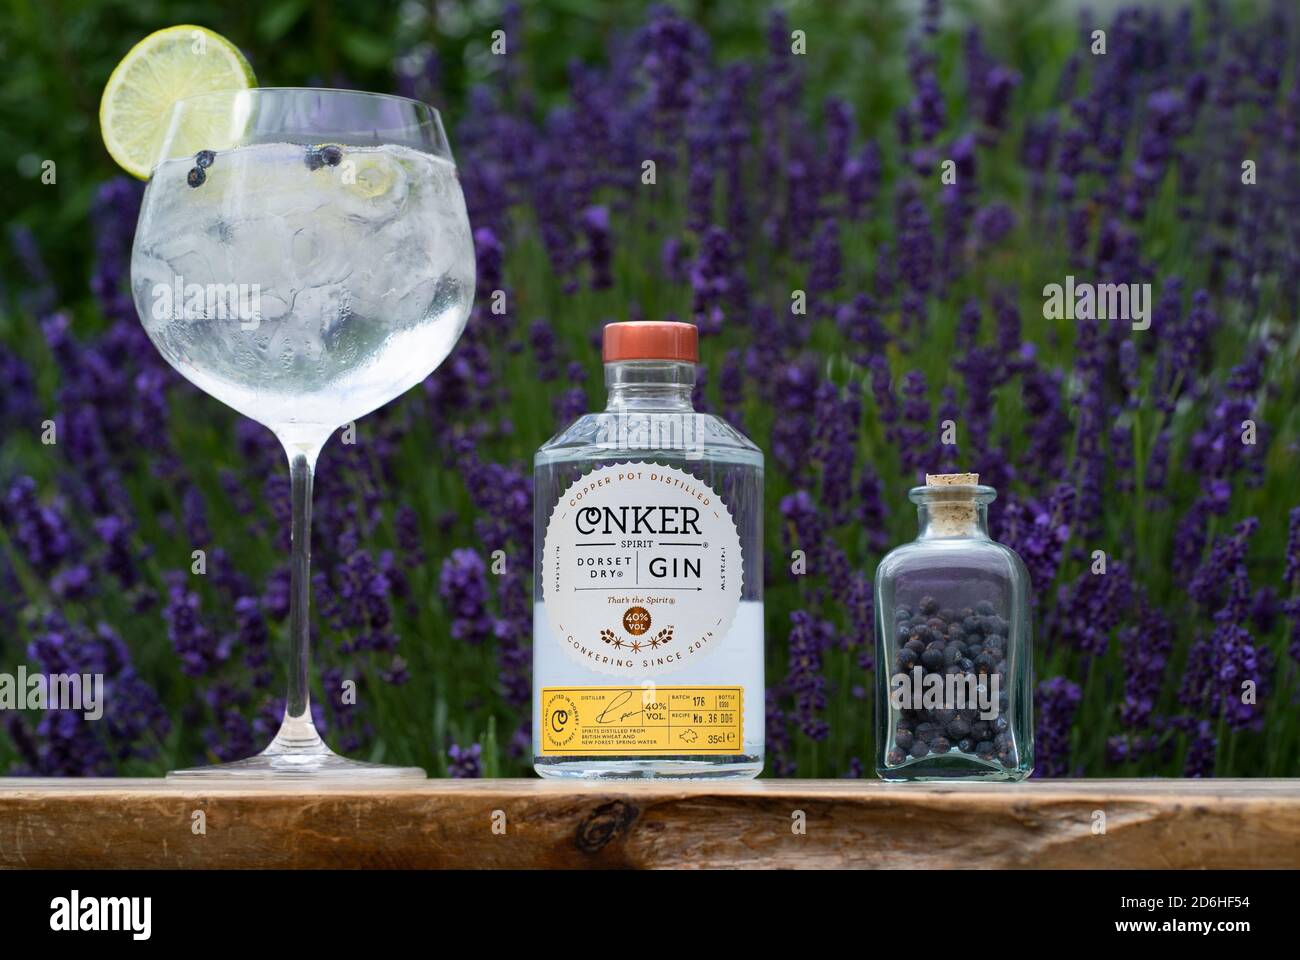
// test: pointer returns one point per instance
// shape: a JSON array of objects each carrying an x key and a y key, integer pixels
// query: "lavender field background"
[{"x": 776, "y": 172}]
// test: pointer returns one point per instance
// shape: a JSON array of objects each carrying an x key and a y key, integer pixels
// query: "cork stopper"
[
  {"x": 951, "y": 518},
  {"x": 952, "y": 479}
]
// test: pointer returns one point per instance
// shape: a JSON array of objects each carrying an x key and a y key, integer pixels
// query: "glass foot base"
[
  {"x": 321, "y": 766},
  {"x": 298, "y": 753}
]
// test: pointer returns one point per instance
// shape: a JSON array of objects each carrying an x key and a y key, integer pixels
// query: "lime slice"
[
  {"x": 166, "y": 66},
  {"x": 371, "y": 175}
]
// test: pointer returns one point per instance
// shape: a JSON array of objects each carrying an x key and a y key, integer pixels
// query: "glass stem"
[{"x": 297, "y": 732}]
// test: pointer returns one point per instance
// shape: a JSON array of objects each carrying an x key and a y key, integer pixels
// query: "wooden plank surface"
[{"x": 534, "y": 824}]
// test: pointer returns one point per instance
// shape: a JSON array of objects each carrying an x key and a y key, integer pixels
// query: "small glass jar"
[{"x": 954, "y": 668}]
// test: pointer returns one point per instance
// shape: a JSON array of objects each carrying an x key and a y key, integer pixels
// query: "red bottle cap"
[{"x": 651, "y": 340}]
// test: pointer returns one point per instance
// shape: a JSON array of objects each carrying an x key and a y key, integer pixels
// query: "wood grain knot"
[{"x": 605, "y": 823}]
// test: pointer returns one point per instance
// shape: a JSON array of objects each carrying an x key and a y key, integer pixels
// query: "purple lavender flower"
[
  {"x": 777, "y": 737},
  {"x": 573, "y": 403},
  {"x": 1209, "y": 584},
  {"x": 672, "y": 256},
  {"x": 1091, "y": 607},
  {"x": 253, "y": 638},
  {"x": 1291, "y": 575},
  {"x": 1291, "y": 608},
  {"x": 731, "y": 384},
  {"x": 796, "y": 392},
  {"x": 40, "y": 296},
  {"x": 931, "y": 15},
  {"x": 824, "y": 275},
  {"x": 364, "y": 602},
  {"x": 199, "y": 647},
  {"x": 882, "y": 392},
  {"x": 72, "y": 582},
  {"x": 1058, "y": 701},
  {"x": 999, "y": 85},
  {"x": 915, "y": 241},
  {"x": 462, "y": 584},
  {"x": 810, "y": 639},
  {"x": 914, "y": 436},
  {"x": 545, "y": 350},
  {"x": 860, "y": 322},
  {"x": 861, "y": 177},
  {"x": 835, "y": 440},
  {"x": 465, "y": 762},
  {"x": 503, "y": 495},
  {"x": 993, "y": 224},
  {"x": 595, "y": 227},
  {"x": 64, "y": 742},
  {"x": 1038, "y": 533},
  {"x": 406, "y": 523},
  {"x": 113, "y": 215},
  {"x": 1146, "y": 646},
  {"x": 927, "y": 106},
  {"x": 275, "y": 601},
  {"x": 713, "y": 280},
  {"x": 489, "y": 254},
  {"x": 703, "y": 142},
  {"x": 40, "y": 531},
  {"x": 804, "y": 527},
  {"x": 18, "y": 402},
  {"x": 1202, "y": 751},
  {"x": 872, "y": 513}
]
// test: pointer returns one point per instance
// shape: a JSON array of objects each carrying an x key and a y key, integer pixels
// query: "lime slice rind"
[{"x": 167, "y": 66}]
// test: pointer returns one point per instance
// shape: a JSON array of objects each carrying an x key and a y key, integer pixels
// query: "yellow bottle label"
[{"x": 642, "y": 721}]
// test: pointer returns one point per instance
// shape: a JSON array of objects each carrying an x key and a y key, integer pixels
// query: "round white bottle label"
[{"x": 641, "y": 569}]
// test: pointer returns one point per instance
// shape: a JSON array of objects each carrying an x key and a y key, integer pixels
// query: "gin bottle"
[{"x": 648, "y": 578}]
